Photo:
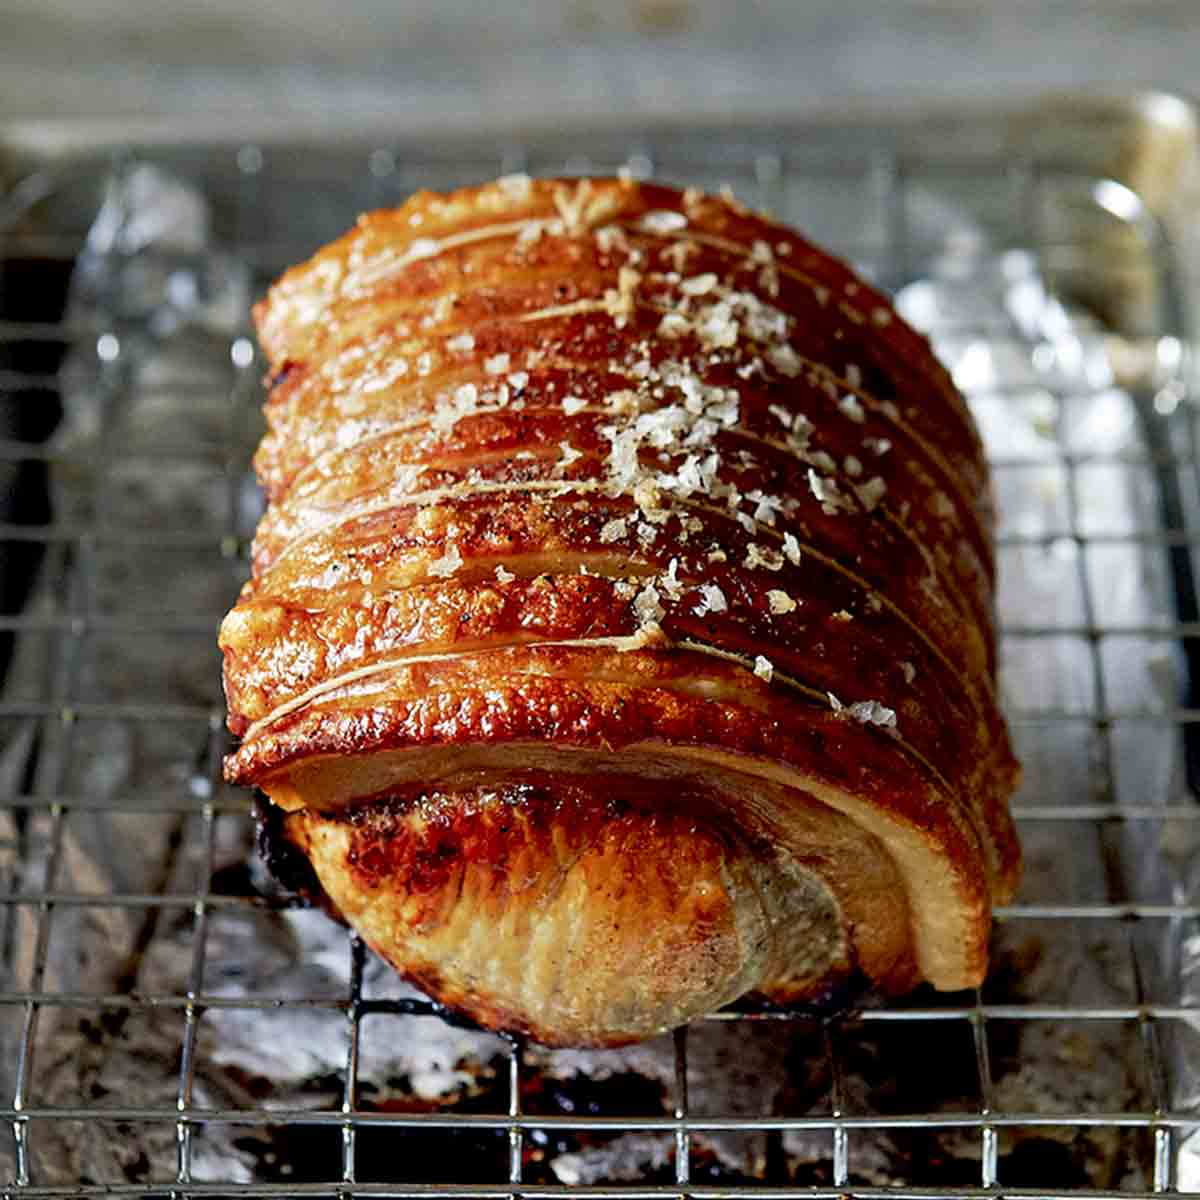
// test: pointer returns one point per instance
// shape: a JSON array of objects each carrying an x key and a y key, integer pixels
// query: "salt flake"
[
  {"x": 871, "y": 712},
  {"x": 445, "y": 566},
  {"x": 712, "y": 599},
  {"x": 663, "y": 221},
  {"x": 614, "y": 530},
  {"x": 780, "y": 602},
  {"x": 852, "y": 408},
  {"x": 763, "y": 556},
  {"x": 871, "y": 493},
  {"x": 647, "y": 605},
  {"x": 697, "y": 285},
  {"x": 670, "y": 582}
]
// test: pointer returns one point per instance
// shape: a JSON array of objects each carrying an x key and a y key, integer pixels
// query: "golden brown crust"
[
  {"x": 570, "y": 473},
  {"x": 550, "y": 910}
]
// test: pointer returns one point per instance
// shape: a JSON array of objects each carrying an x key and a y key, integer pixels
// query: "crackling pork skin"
[{"x": 620, "y": 638}]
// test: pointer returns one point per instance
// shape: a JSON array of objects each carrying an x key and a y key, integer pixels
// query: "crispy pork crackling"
[{"x": 620, "y": 637}]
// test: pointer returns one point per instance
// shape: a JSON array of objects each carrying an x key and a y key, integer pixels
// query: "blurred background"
[{"x": 420, "y": 62}]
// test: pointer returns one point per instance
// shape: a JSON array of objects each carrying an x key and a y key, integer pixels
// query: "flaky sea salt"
[
  {"x": 614, "y": 530},
  {"x": 780, "y": 602},
  {"x": 865, "y": 712},
  {"x": 674, "y": 325},
  {"x": 718, "y": 329},
  {"x": 697, "y": 285},
  {"x": 670, "y": 582},
  {"x": 763, "y": 556},
  {"x": 785, "y": 360},
  {"x": 445, "y": 566},
  {"x": 712, "y": 599},
  {"x": 621, "y": 302},
  {"x": 827, "y": 493},
  {"x": 663, "y": 221},
  {"x": 852, "y": 408},
  {"x": 871, "y": 712},
  {"x": 647, "y": 604},
  {"x": 871, "y": 493},
  {"x": 447, "y": 414}
]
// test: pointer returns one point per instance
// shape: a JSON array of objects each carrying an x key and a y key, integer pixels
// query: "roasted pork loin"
[{"x": 620, "y": 637}]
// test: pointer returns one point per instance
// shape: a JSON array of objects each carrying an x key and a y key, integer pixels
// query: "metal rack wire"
[{"x": 1095, "y": 821}]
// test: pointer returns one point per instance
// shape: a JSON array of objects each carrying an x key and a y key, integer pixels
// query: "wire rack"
[{"x": 866, "y": 204}]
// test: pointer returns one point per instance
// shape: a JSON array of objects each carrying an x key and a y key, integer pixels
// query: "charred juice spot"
[
  {"x": 285, "y": 861},
  {"x": 841, "y": 994}
]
